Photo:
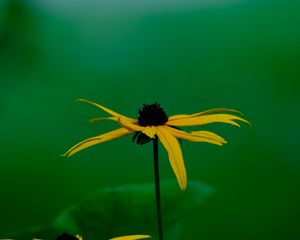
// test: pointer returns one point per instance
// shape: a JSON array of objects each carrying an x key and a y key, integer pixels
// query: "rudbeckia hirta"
[
  {"x": 67, "y": 236},
  {"x": 132, "y": 237},
  {"x": 153, "y": 123}
]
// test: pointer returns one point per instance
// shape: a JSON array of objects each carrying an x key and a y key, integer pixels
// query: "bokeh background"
[{"x": 187, "y": 55}]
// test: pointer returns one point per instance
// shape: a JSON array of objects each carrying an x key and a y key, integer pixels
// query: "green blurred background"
[{"x": 187, "y": 55}]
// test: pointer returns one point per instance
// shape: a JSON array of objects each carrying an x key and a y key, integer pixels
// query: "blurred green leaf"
[{"x": 128, "y": 209}]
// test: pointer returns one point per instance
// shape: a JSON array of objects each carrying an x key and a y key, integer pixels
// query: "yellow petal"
[
  {"x": 175, "y": 155},
  {"x": 180, "y": 116},
  {"x": 150, "y": 131},
  {"x": 132, "y": 237},
  {"x": 206, "y": 119},
  {"x": 199, "y": 136},
  {"x": 209, "y": 135},
  {"x": 94, "y": 120},
  {"x": 96, "y": 140},
  {"x": 109, "y": 111},
  {"x": 129, "y": 125}
]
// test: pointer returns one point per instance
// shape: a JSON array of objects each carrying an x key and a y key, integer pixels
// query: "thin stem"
[{"x": 157, "y": 189}]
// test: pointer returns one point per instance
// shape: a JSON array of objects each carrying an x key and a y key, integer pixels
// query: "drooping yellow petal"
[
  {"x": 129, "y": 125},
  {"x": 199, "y": 136},
  {"x": 175, "y": 155},
  {"x": 214, "y": 110},
  {"x": 96, "y": 140},
  {"x": 150, "y": 131},
  {"x": 132, "y": 237},
  {"x": 109, "y": 111},
  {"x": 209, "y": 135},
  {"x": 206, "y": 119}
]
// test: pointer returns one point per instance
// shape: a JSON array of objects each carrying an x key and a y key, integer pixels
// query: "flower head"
[
  {"x": 153, "y": 123},
  {"x": 152, "y": 115},
  {"x": 66, "y": 236},
  {"x": 132, "y": 237}
]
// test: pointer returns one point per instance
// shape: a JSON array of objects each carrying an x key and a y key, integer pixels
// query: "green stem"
[{"x": 157, "y": 189}]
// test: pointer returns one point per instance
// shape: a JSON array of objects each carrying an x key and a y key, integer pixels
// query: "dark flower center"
[
  {"x": 152, "y": 115},
  {"x": 66, "y": 236}
]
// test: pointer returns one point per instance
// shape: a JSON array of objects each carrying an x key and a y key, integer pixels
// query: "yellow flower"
[
  {"x": 78, "y": 237},
  {"x": 133, "y": 237},
  {"x": 153, "y": 122}
]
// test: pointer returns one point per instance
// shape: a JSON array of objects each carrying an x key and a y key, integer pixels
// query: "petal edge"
[
  {"x": 175, "y": 155},
  {"x": 96, "y": 140}
]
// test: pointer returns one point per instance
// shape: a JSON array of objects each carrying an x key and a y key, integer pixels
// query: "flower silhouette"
[{"x": 153, "y": 123}]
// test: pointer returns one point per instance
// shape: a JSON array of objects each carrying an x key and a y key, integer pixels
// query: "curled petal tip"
[
  {"x": 246, "y": 121},
  {"x": 237, "y": 111},
  {"x": 93, "y": 120},
  {"x": 82, "y": 100}
]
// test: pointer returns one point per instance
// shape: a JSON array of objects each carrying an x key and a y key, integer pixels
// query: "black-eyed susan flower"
[
  {"x": 132, "y": 237},
  {"x": 66, "y": 236},
  {"x": 153, "y": 123}
]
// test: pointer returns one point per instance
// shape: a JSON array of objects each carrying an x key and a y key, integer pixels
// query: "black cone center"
[{"x": 152, "y": 115}]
